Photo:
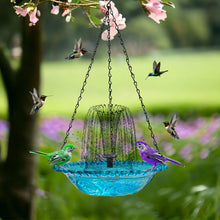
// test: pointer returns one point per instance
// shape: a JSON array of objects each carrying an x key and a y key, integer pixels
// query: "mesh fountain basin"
[{"x": 124, "y": 178}]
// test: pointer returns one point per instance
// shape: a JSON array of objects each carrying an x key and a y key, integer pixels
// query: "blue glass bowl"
[{"x": 124, "y": 178}]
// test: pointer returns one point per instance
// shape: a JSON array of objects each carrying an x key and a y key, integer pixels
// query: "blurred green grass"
[{"x": 190, "y": 85}]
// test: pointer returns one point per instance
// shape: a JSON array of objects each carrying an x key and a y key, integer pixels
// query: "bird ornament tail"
[
  {"x": 40, "y": 153},
  {"x": 174, "y": 161}
]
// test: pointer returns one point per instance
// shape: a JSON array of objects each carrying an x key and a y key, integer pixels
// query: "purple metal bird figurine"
[{"x": 152, "y": 156}]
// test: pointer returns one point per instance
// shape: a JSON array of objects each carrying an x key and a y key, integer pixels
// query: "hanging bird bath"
[
  {"x": 120, "y": 180},
  {"x": 109, "y": 163}
]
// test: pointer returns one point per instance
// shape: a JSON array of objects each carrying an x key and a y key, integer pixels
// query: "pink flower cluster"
[
  {"x": 55, "y": 10},
  {"x": 29, "y": 10},
  {"x": 66, "y": 11},
  {"x": 120, "y": 21},
  {"x": 155, "y": 10}
]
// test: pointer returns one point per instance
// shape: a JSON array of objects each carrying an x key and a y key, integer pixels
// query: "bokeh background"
[{"x": 187, "y": 44}]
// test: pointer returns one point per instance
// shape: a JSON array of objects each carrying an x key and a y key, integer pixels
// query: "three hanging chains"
[{"x": 107, "y": 19}]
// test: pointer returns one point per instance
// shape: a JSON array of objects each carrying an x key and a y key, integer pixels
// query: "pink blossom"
[
  {"x": 113, "y": 32},
  {"x": 155, "y": 11},
  {"x": 21, "y": 11},
  {"x": 33, "y": 17},
  {"x": 104, "y": 9},
  {"x": 55, "y": 10},
  {"x": 120, "y": 21},
  {"x": 102, "y": 5},
  {"x": 31, "y": 11},
  {"x": 66, "y": 11}
]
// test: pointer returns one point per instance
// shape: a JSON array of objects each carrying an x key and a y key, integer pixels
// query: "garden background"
[{"x": 187, "y": 44}]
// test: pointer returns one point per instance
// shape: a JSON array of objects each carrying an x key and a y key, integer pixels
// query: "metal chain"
[
  {"x": 135, "y": 83},
  {"x": 109, "y": 56},
  {"x": 110, "y": 75},
  {"x": 83, "y": 86}
]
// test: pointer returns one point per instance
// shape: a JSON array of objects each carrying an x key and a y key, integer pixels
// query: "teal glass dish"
[{"x": 124, "y": 178}]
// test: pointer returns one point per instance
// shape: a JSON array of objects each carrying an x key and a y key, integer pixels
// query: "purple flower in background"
[
  {"x": 168, "y": 148},
  {"x": 185, "y": 152},
  {"x": 213, "y": 126},
  {"x": 204, "y": 153},
  {"x": 199, "y": 122},
  {"x": 78, "y": 124},
  {"x": 41, "y": 193},
  {"x": 127, "y": 122},
  {"x": 3, "y": 127},
  {"x": 52, "y": 127},
  {"x": 190, "y": 128},
  {"x": 205, "y": 138}
]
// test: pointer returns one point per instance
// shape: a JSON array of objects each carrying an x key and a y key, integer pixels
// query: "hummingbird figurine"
[
  {"x": 170, "y": 126},
  {"x": 38, "y": 101},
  {"x": 156, "y": 70},
  {"x": 153, "y": 156},
  {"x": 58, "y": 157},
  {"x": 78, "y": 51}
]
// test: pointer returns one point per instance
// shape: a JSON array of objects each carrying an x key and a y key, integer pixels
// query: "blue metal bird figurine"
[
  {"x": 152, "y": 156},
  {"x": 156, "y": 70}
]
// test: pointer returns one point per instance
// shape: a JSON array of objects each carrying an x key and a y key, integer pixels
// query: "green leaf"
[
  {"x": 169, "y": 3},
  {"x": 95, "y": 20},
  {"x": 87, "y": 11},
  {"x": 73, "y": 19}
]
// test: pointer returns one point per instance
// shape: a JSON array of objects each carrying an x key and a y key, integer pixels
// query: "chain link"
[
  {"x": 110, "y": 76},
  {"x": 83, "y": 86},
  {"x": 109, "y": 55},
  {"x": 135, "y": 83}
]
